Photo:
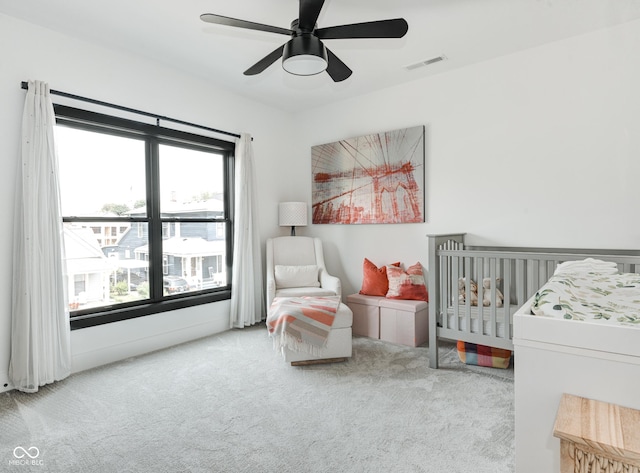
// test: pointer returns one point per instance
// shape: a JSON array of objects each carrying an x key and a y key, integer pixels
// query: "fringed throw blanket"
[{"x": 301, "y": 323}]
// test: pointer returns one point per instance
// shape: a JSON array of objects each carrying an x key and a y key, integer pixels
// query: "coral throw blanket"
[{"x": 301, "y": 323}]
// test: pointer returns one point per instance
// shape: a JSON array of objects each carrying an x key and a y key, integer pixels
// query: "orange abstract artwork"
[{"x": 376, "y": 178}]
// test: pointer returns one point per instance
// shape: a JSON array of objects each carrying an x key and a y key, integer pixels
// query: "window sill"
[{"x": 126, "y": 313}]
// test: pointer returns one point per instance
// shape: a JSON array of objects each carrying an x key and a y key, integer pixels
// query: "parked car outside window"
[{"x": 175, "y": 284}]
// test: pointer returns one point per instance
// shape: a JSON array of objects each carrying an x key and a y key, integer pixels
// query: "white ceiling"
[{"x": 465, "y": 31}]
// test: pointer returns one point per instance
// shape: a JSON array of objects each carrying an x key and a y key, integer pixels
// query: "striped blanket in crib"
[{"x": 301, "y": 323}]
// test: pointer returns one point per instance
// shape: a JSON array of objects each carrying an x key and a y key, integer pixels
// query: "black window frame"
[{"x": 154, "y": 135}]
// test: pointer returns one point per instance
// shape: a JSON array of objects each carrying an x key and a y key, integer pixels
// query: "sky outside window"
[{"x": 98, "y": 169}]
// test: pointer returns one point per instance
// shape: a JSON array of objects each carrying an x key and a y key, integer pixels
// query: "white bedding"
[{"x": 590, "y": 290}]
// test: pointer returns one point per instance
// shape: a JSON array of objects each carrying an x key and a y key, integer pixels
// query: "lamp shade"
[
  {"x": 304, "y": 55},
  {"x": 292, "y": 214}
]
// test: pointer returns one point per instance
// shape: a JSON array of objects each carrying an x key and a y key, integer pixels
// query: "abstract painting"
[{"x": 377, "y": 178}]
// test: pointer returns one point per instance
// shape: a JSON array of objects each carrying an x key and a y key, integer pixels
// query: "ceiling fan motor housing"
[
  {"x": 304, "y": 55},
  {"x": 297, "y": 31}
]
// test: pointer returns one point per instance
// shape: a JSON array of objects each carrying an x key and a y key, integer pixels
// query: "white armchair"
[{"x": 295, "y": 267}]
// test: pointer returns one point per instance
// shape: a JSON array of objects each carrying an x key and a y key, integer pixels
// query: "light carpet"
[{"x": 228, "y": 403}]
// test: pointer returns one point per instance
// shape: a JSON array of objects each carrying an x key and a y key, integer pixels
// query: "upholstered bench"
[{"x": 405, "y": 322}]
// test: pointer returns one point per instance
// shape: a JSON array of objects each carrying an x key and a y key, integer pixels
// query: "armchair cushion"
[{"x": 296, "y": 276}]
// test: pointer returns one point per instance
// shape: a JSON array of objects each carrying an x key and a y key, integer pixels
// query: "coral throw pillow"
[
  {"x": 374, "y": 279},
  {"x": 408, "y": 285}
]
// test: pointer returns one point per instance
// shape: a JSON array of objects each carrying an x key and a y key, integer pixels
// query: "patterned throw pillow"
[
  {"x": 408, "y": 285},
  {"x": 374, "y": 279}
]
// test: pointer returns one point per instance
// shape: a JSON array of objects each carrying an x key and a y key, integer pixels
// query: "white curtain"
[
  {"x": 40, "y": 348},
  {"x": 247, "y": 301}
]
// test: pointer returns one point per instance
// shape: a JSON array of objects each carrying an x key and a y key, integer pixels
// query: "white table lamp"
[{"x": 292, "y": 214}]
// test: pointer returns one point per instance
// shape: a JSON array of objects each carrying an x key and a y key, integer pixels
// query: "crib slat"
[
  {"x": 521, "y": 279},
  {"x": 551, "y": 268},
  {"x": 506, "y": 292},
  {"x": 627, "y": 268},
  {"x": 467, "y": 300},
  {"x": 542, "y": 275},
  {"x": 455, "y": 276},
  {"x": 493, "y": 328},
  {"x": 443, "y": 298},
  {"x": 477, "y": 272},
  {"x": 535, "y": 277}
]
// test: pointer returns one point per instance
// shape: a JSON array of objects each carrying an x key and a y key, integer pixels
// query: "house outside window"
[{"x": 146, "y": 214}]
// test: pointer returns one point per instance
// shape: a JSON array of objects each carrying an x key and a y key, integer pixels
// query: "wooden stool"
[{"x": 597, "y": 437}]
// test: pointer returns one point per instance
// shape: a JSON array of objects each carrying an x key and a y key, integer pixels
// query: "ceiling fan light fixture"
[{"x": 304, "y": 55}]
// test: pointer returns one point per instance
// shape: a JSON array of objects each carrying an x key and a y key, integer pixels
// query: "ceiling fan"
[{"x": 305, "y": 54}]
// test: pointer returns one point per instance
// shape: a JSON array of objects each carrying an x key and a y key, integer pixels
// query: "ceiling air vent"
[{"x": 427, "y": 62}]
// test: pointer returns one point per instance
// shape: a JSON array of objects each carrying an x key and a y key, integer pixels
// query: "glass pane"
[
  {"x": 191, "y": 183},
  {"x": 100, "y": 175},
  {"x": 105, "y": 269},
  {"x": 194, "y": 257}
]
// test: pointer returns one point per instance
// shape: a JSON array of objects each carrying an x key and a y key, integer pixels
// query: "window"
[{"x": 146, "y": 214}]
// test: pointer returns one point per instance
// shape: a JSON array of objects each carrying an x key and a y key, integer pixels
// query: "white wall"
[
  {"x": 30, "y": 52},
  {"x": 539, "y": 148}
]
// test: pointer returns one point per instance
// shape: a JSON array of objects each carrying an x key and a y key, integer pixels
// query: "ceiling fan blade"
[
  {"x": 337, "y": 69},
  {"x": 225, "y": 20},
  {"x": 265, "y": 62},
  {"x": 395, "y": 28},
  {"x": 309, "y": 12}
]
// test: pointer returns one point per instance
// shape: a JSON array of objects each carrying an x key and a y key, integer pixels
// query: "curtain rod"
[{"x": 25, "y": 86}]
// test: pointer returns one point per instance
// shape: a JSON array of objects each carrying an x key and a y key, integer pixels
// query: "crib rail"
[{"x": 517, "y": 272}]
